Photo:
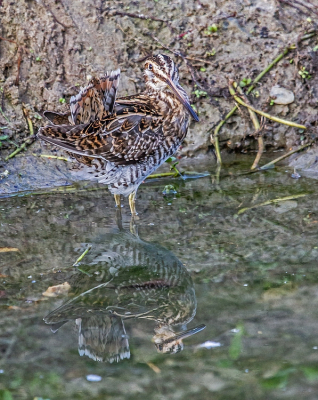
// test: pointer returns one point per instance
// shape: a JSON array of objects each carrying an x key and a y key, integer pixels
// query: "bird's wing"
[
  {"x": 130, "y": 134},
  {"x": 96, "y": 99}
]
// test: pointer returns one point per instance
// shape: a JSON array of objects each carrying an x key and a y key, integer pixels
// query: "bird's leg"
[
  {"x": 132, "y": 203},
  {"x": 117, "y": 200}
]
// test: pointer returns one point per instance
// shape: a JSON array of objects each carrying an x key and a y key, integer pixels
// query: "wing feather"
[{"x": 96, "y": 99}]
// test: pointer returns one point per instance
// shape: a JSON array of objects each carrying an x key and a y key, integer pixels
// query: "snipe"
[{"x": 121, "y": 141}]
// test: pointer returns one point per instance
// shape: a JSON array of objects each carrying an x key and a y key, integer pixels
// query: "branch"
[
  {"x": 274, "y": 201},
  {"x": 266, "y": 166}
]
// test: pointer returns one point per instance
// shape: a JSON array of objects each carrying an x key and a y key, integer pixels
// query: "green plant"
[
  {"x": 255, "y": 93},
  {"x": 200, "y": 93},
  {"x": 303, "y": 73},
  {"x": 213, "y": 28},
  {"x": 62, "y": 100},
  {"x": 38, "y": 58},
  {"x": 245, "y": 82},
  {"x": 211, "y": 53}
]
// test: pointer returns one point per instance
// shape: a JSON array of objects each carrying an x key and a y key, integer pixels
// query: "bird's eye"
[{"x": 150, "y": 66}]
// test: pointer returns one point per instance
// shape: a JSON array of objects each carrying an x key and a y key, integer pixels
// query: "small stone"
[
  {"x": 281, "y": 95},
  {"x": 93, "y": 378}
]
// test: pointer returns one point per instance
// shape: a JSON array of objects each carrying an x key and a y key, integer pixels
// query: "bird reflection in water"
[{"x": 124, "y": 277}]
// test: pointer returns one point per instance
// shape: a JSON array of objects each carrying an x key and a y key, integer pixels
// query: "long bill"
[
  {"x": 185, "y": 334},
  {"x": 184, "y": 101}
]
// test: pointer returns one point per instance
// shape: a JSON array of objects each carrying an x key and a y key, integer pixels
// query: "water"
[{"x": 192, "y": 258}]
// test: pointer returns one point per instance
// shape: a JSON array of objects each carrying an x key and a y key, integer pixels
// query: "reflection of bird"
[
  {"x": 131, "y": 279},
  {"x": 121, "y": 143}
]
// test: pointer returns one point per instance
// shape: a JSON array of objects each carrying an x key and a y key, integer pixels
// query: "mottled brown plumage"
[{"x": 121, "y": 141}]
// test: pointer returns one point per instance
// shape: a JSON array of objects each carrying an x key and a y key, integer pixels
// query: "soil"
[{"x": 50, "y": 48}]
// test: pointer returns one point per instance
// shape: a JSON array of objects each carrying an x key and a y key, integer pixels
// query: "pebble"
[
  {"x": 281, "y": 95},
  {"x": 93, "y": 378}
]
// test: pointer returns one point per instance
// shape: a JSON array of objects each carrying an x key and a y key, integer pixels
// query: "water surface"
[{"x": 192, "y": 258}]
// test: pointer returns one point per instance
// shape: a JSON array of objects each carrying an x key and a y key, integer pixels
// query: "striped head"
[
  {"x": 161, "y": 73},
  {"x": 167, "y": 341}
]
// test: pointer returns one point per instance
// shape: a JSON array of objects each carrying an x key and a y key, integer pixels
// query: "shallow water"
[{"x": 192, "y": 258}]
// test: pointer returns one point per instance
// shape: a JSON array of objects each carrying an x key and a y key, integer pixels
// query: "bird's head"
[
  {"x": 167, "y": 341},
  {"x": 161, "y": 72}
]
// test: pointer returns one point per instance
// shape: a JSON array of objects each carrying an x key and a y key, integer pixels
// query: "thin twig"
[
  {"x": 8, "y": 40},
  {"x": 30, "y": 125},
  {"x": 214, "y": 137},
  {"x": 268, "y": 116},
  {"x": 266, "y": 166},
  {"x": 257, "y": 127},
  {"x": 4, "y": 116},
  {"x": 137, "y": 16},
  {"x": 50, "y": 156},
  {"x": 80, "y": 258},
  {"x": 54, "y": 17},
  {"x": 164, "y": 174},
  {"x": 274, "y": 201},
  {"x": 30, "y": 139},
  {"x": 312, "y": 10}
]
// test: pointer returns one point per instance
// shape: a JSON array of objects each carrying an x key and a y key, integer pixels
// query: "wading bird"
[{"x": 119, "y": 142}]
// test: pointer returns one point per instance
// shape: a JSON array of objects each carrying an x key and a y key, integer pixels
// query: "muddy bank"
[{"x": 49, "y": 48}]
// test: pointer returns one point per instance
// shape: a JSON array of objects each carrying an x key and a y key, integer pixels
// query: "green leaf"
[{"x": 213, "y": 28}]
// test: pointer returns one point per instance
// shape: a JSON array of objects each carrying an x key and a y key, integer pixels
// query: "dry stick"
[
  {"x": 138, "y": 16},
  {"x": 54, "y": 17},
  {"x": 214, "y": 138},
  {"x": 301, "y": 4},
  {"x": 268, "y": 202},
  {"x": 268, "y": 116},
  {"x": 22, "y": 147},
  {"x": 257, "y": 127},
  {"x": 293, "y": 5},
  {"x": 49, "y": 156},
  {"x": 8, "y": 40},
  {"x": 285, "y": 156}
]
